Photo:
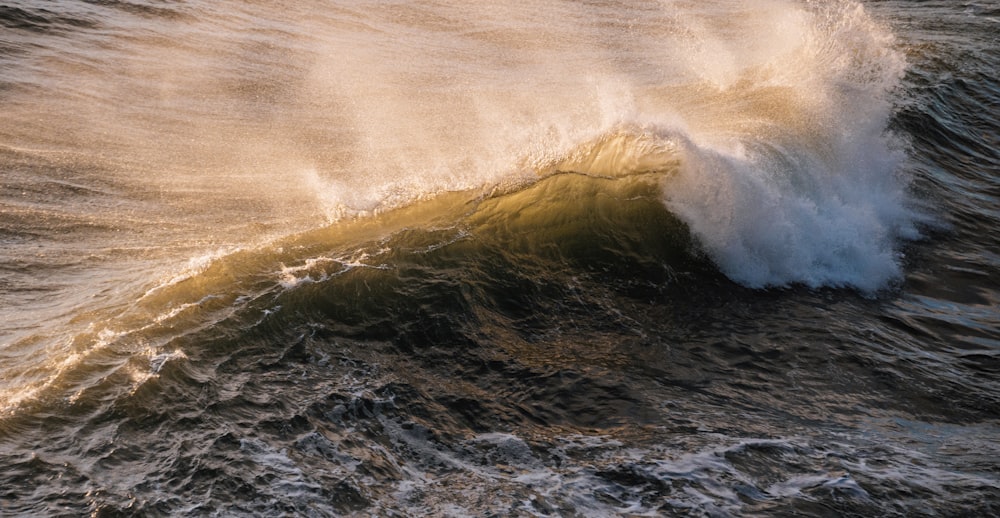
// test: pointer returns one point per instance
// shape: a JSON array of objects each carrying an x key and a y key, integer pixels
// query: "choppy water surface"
[{"x": 534, "y": 259}]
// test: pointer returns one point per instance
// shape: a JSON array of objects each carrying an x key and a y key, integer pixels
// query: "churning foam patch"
[
  {"x": 810, "y": 194},
  {"x": 763, "y": 232}
]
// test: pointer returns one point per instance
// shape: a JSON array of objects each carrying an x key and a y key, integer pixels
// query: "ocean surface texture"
[{"x": 500, "y": 258}]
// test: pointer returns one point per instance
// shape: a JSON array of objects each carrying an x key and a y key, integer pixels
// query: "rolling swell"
[
  {"x": 461, "y": 282},
  {"x": 512, "y": 254},
  {"x": 563, "y": 343}
]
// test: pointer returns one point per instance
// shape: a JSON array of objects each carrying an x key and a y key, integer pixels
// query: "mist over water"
[
  {"x": 657, "y": 257},
  {"x": 306, "y": 110}
]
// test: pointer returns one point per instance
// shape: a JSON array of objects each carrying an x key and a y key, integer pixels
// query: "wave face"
[{"x": 521, "y": 258}]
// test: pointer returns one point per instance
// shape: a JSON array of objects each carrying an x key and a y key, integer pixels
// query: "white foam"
[
  {"x": 810, "y": 192},
  {"x": 320, "y": 269}
]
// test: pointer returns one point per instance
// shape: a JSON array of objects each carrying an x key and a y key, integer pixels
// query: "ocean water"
[{"x": 442, "y": 258}]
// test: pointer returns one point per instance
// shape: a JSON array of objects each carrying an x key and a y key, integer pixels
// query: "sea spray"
[{"x": 804, "y": 185}]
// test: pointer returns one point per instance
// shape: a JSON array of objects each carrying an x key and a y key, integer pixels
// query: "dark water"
[{"x": 561, "y": 259}]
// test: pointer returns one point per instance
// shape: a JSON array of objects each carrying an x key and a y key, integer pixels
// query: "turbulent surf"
[{"x": 533, "y": 259}]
